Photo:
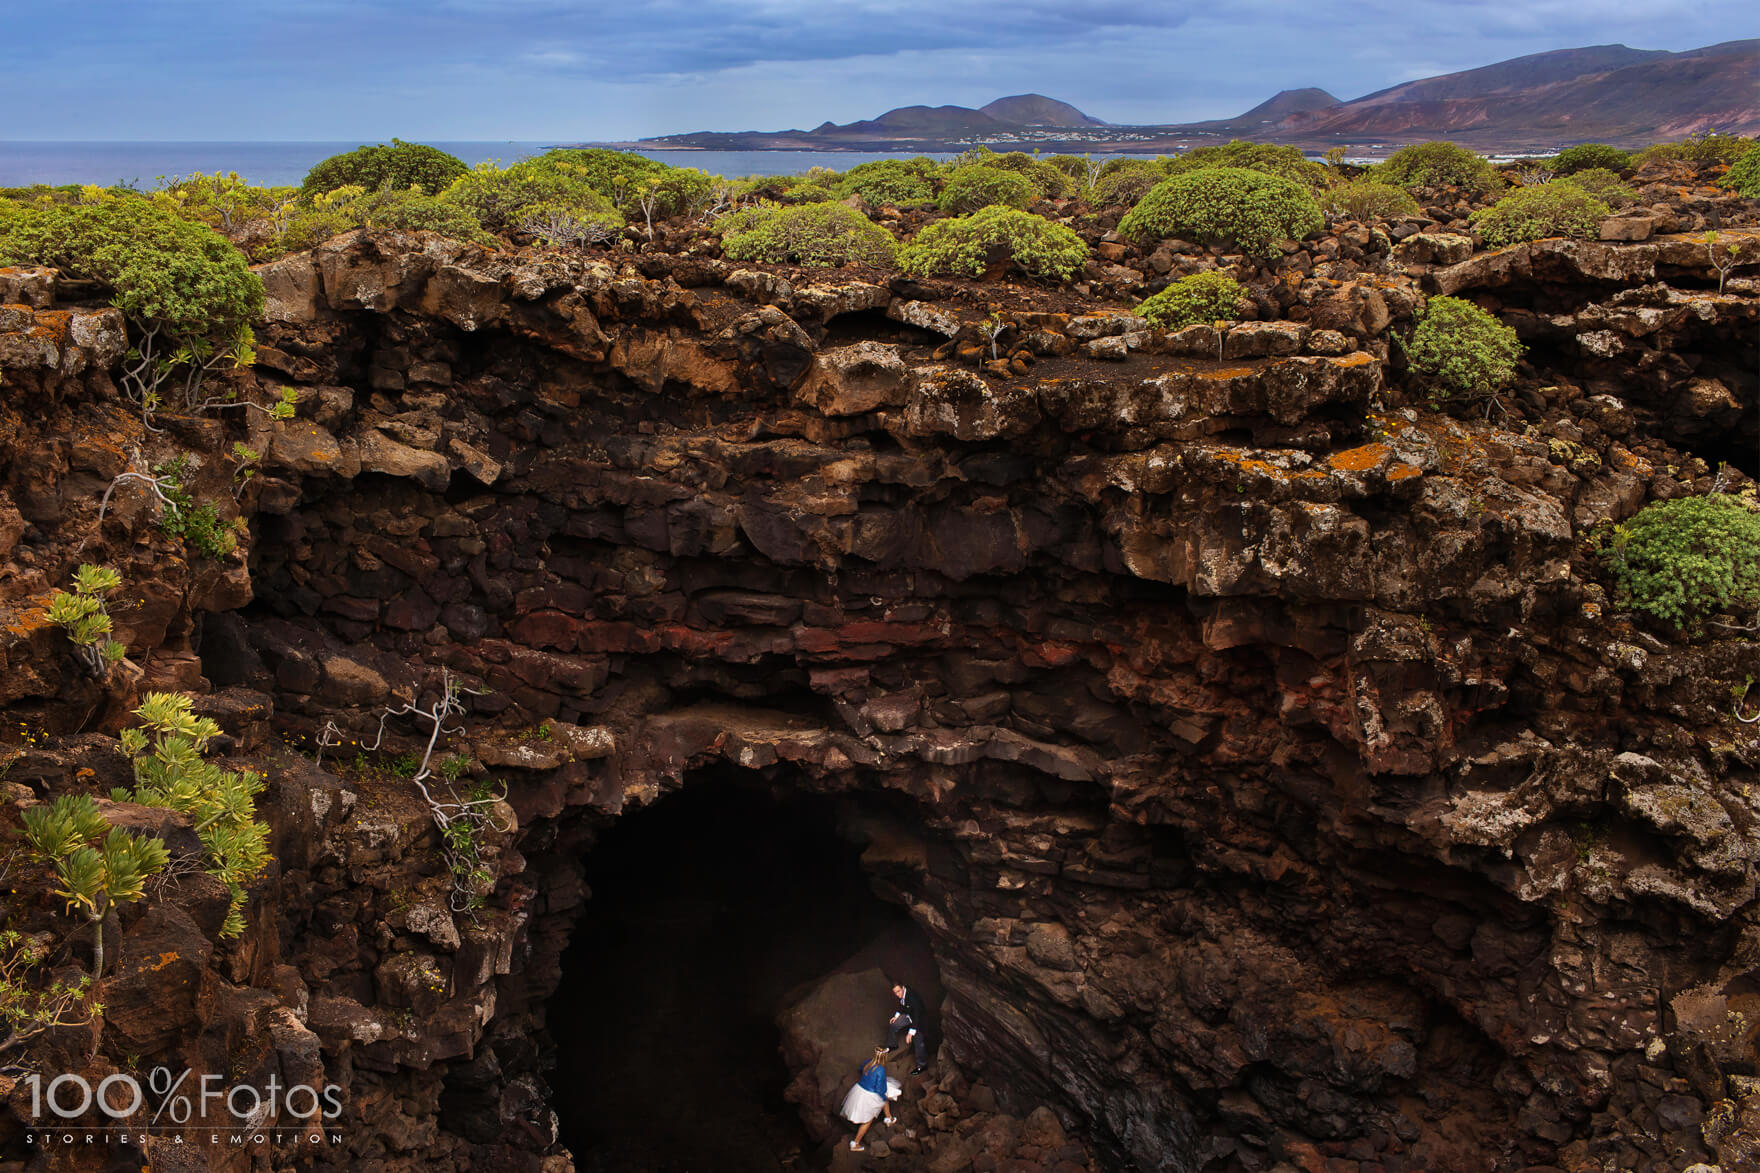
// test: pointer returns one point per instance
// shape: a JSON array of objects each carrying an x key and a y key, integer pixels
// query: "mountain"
[
  {"x": 1036, "y": 110},
  {"x": 1605, "y": 93},
  {"x": 1540, "y": 102},
  {"x": 1518, "y": 73},
  {"x": 915, "y": 122},
  {"x": 1285, "y": 103},
  {"x": 1272, "y": 111}
]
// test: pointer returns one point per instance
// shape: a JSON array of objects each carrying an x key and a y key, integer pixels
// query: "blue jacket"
[{"x": 874, "y": 1080}]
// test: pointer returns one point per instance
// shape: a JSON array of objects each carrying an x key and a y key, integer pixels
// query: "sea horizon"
[{"x": 285, "y": 162}]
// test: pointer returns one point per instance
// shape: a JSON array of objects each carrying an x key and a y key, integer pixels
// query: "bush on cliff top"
[
  {"x": 1364, "y": 199},
  {"x": 1705, "y": 148},
  {"x": 624, "y": 178},
  {"x": 1437, "y": 164},
  {"x": 398, "y": 165},
  {"x": 1534, "y": 213},
  {"x": 1126, "y": 185},
  {"x": 1049, "y": 182},
  {"x": 806, "y": 234},
  {"x": 899, "y": 182},
  {"x": 500, "y": 199},
  {"x": 410, "y": 210},
  {"x": 1743, "y": 177},
  {"x": 1458, "y": 351},
  {"x": 1604, "y": 185},
  {"x": 1286, "y": 162},
  {"x": 1688, "y": 558},
  {"x": 165, "y": 272},
  {"x": 969, "y": 245},
  {"x": 1194, "y": 300},
  {"x": 974, "y": 187},
  {"x": 1585, "y": 156},
  {"x": 1250, "y": 208}
]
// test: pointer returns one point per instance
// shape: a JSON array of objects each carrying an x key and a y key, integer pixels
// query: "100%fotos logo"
[{"x": 69, "y": 1097}]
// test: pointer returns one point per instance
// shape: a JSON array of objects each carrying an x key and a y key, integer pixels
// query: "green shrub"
[
  {"x": 1534, "y": 213},
  {"x": 164, "y": 271},
  {"x": 98, "y": 866},
  {"x": 189, "y": 296},
  {"x": 1604, "y": 185},
  {"x": 222, "y": 200},
  {"x": 1159, "y": 162},
  {"x": 1461, "y": 352},
  {"x": 501, "y": 199},
  {"x": 1047, "y": 181},
  {"x": 412, "y": 211},
  {"x": 899, "y": 182},
  {"x": 1251, "y": 208},
  {"x": 807, "y": 234},
  {"x": 681, "y": 191},
  {"x": 170, "y": 771},
  {"x": 1193, "y": 300},
  {"x": 1126, "y": 185},
  {"x": 974, "y": 187},
  {"x": 1743, "y": 176},
  {"x": 400, "y": 165},
  {"x": 1364, "y": 199},
  {"x": 1287, "y": 162},
  {"x": 627, "y": 179},
  {"x": 1074, "y": 166},
  {"x": 967, "y": 244},
  {"x": 1585, "y": 156},
  {"x": 1688, "y": 558},
  {"x": 1437, "y": 164},
  {"x": 606, "y": 171},
  {"x": 809, "y": 193},
  {"x": 83, "y": 614},
  {"x": 1705, "y": 148}
]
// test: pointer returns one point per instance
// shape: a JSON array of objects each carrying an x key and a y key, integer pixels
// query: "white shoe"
[{"x": 856, "y": 1148}]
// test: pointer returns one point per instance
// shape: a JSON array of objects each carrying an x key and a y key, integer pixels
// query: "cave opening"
[{"x": 710, "y": 911}]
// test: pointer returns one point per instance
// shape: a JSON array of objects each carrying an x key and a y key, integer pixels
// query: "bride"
[{"x": 869, "y": 1097}]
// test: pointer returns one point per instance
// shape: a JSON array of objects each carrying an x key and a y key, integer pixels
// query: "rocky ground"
[{"x": 1262, "y": 752}]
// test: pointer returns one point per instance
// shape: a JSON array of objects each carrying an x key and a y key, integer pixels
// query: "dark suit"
[{"x": 908, "y": 1015}]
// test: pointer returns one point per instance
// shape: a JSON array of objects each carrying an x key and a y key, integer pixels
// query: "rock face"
[{"x": 1262, "y": 761}]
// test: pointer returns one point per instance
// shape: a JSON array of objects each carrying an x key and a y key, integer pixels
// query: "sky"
[{"x": 537, "y": 70}]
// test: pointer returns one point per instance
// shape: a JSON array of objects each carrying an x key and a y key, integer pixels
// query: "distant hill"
[
  {"x": 1607, "y": 93},
  {"x": 1598, "y": 93},
  {"x": 1000, "y": 116},
  {"x": 1518, "y": 73},
  {"x": 1036, "y": 110},
  {"x": 1287, "y": 102},
  {"x": 915, "y": 122}
]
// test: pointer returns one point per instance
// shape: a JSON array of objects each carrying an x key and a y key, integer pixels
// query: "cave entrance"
[{"x": 710, "y": 911}]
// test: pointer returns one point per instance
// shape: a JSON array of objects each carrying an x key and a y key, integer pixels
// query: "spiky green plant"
[
  {"x": 169, "y": 770},
  {"x": 85, "y": 618},
  {"x": 93, "y": 879}
]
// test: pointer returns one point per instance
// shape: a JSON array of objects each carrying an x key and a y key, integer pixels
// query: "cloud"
[{"x": 542, "y": 69}]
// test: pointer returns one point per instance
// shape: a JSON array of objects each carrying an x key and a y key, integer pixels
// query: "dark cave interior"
[{"x": 710, "y": 911}]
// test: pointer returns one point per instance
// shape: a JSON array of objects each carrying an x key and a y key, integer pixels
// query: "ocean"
[{"x": 273, "y": 164}]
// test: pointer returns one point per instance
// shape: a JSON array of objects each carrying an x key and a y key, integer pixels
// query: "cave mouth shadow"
[{"x": 710, "y": 910}]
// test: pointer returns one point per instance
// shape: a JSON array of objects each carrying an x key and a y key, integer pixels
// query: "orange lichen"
[
  {"x": 1360, "y": 459},
  {"x": 1400, "y": 472}
]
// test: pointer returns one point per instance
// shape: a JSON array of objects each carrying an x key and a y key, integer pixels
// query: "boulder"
[{"x": 853, "y": 380}]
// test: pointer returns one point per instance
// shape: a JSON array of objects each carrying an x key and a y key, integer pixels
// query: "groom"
[{"x": 908, "y": 1019}]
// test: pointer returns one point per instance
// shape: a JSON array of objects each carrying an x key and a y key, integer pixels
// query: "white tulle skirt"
[{"x": 862, "y": 1105}]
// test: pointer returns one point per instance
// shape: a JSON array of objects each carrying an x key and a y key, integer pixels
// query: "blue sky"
[{"x": 542, "y": 70}]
